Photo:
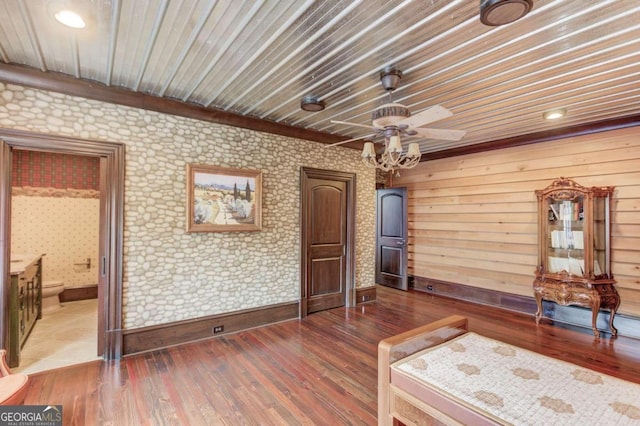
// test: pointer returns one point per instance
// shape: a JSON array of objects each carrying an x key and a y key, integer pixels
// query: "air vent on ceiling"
[{"x": 501, "y": 12}]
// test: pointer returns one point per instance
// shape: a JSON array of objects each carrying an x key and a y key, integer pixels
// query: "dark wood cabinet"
[
  {"x": 25, "y": 305},
  {"x": 574, "y": 252}
]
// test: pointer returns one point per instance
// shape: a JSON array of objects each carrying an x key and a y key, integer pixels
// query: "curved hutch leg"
[
  {"x": 539, "y": 303},
  {"x": 614, "y": 331},
  {"x": 594, "y": 317},
  {"x": 614, "y": 309}
]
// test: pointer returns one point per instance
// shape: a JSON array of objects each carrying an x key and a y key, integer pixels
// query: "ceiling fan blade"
[
  {"x": 350, "y": 140},
  {"x": 427, "y": 116},
  {"x": 444, "y": 134},
  {"x": 351, "y": 124}
]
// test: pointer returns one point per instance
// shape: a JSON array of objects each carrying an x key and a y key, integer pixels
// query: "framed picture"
[{"x": 222, "y": 199}]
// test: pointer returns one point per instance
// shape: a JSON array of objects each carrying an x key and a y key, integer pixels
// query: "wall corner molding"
[{"x": 533, "y": 138}]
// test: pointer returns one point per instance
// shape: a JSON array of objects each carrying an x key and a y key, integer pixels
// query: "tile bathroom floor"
[{"x": 64, "y": 337}]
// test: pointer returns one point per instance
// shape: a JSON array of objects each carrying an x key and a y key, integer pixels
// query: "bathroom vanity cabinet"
[{"x": 25, "y": 302}]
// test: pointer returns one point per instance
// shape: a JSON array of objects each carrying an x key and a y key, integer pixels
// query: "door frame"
[
  {"x": 307, "y": 173},
  {"x": 111, "y": 226}
]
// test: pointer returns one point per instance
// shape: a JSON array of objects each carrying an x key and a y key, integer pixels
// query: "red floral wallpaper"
[{"x": 50, "y": 170}]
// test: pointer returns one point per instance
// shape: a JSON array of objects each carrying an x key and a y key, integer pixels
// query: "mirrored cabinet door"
[{"x": 565, "y": 236}]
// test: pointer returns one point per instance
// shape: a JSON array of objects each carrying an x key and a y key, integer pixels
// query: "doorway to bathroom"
[
  {"x": 55, "y": 214},
  {"x": 108, "y": 262}
]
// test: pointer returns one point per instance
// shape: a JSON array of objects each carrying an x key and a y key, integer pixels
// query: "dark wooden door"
[
  {"x": 391, "y": 237},
  {"x": 326, "y": 239}
]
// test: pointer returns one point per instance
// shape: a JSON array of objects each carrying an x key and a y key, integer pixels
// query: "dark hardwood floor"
[{"x": 317, "y": 371}]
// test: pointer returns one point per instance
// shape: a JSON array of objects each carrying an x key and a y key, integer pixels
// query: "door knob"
[{"x": 400, "y": 243}]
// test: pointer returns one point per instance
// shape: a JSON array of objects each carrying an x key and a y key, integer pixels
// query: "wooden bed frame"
[{"x": 396, "y": 405}]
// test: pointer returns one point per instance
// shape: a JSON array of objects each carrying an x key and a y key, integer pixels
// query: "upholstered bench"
[{"x": 441, "y": 373}]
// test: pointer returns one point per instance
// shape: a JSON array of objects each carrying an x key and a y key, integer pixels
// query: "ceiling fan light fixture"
[
  {"x": 393, "y": 159},
  {"x": 501, "y": 12},
  {"x": 414, "y": 150},
  {"x": 393, "y": 120},
  {"x": 368, "y": 151},
  {"x": 554, "y": 114},
  {"x": 312, "y": 104},
  {"x": 394, "y": 144}
]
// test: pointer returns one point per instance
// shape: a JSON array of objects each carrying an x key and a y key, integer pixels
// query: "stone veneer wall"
[{"x": 170, "y": 275}]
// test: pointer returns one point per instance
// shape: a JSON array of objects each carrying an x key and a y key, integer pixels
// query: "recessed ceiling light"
[
  {"x": 554, "y": 114},
  {"x": 312, "y": 104},
  {"x": 70, "y": 19}
]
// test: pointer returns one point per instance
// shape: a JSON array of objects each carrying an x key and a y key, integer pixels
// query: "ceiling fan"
[{"x": 395, "y": 120}]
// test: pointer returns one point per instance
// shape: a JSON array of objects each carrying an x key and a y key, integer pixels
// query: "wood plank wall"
[{"x": 472, "y": 218}]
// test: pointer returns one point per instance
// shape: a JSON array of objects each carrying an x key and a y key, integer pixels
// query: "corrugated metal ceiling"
[{"x": 259, "y": 58}]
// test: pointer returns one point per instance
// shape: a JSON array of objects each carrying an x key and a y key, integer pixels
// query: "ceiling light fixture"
[
  {"x": 502, "y": 12},
  {"x": 70, "y": 19},
  {"x": 312, "y": 104},
  {"x": 393, "y": 158},
  {"x": 554, "y": 114}
]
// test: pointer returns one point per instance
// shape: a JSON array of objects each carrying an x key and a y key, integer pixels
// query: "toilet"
[{"x": 50, "y": 292}]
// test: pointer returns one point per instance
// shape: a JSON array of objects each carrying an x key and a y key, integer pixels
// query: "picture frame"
[{"x": 223, "y": 199}]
